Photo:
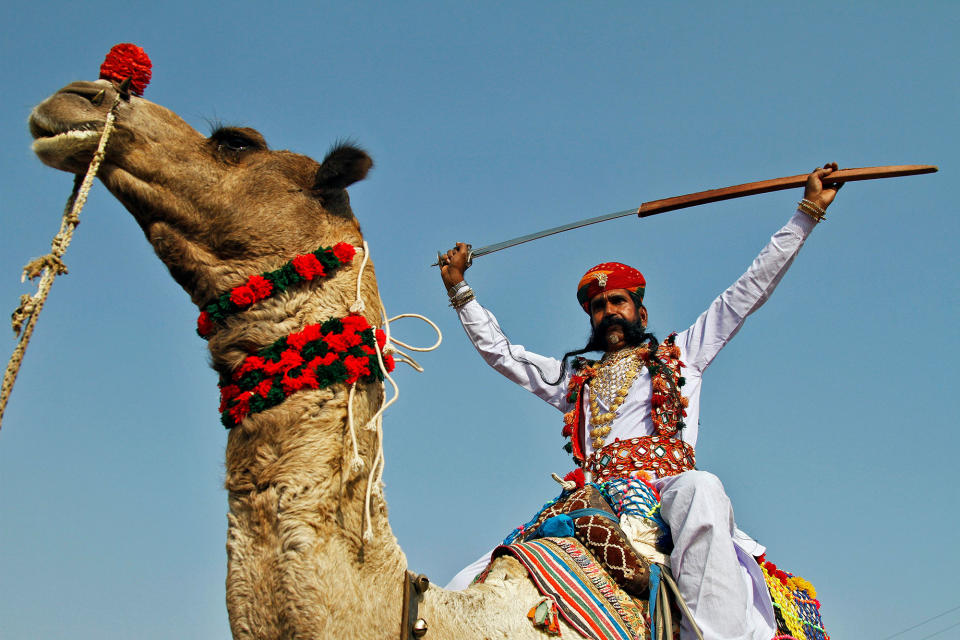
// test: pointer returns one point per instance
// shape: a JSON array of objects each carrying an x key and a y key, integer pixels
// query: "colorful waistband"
[{"x": 659, "y": 455}]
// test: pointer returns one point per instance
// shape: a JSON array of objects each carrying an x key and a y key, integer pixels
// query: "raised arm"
[
  {"x": 724, "y": 317},
  {"x": 531, "y": 371}
]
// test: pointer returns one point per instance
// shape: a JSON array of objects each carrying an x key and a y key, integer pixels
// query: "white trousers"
[{"x": 712, "y": 561}]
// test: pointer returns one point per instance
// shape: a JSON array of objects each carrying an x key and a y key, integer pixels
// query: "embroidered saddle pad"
[
  {"x": 595, "y": 525},
  {"x": 587, "y": 598}
]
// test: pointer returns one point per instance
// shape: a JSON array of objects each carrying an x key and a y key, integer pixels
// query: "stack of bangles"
[
  {"x": 460, "y": 294},
  {"x": 812, "y": 210}
]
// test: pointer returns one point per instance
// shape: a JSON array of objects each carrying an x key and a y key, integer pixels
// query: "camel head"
[{"x": 215, "y": 208}]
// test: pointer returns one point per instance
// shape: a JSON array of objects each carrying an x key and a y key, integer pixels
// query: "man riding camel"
[{"x": 635, "y": 412}]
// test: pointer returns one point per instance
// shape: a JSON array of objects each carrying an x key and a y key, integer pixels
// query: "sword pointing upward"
[{"x": 713, "y": 195}]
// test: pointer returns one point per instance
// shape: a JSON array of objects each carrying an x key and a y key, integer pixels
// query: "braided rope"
[{"x": 24, "y": 318}]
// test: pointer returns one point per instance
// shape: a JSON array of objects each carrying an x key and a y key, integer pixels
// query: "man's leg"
[{"x": 704, "y": 562}]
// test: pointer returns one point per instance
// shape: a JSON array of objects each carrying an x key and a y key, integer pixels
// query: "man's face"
[{"x": 615, "y": 303}]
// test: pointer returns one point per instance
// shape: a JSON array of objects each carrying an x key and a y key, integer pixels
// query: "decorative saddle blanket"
[
  {"x": 577, "y": 587},
  {"x": 586, "y": 588}
]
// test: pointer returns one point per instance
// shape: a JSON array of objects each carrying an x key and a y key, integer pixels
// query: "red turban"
[{"x": 607, "y": 276}]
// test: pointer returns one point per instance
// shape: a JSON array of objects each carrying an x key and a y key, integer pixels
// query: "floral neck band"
[
  {"x": 322, "y": 263},
  {"x": 341, "y": 350}
]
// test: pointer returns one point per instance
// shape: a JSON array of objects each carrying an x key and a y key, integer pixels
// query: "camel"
[{"x": 216, "y": 210}]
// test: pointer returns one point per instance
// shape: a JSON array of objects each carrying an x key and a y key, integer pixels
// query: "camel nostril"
[{"x": 97, "y": 100}]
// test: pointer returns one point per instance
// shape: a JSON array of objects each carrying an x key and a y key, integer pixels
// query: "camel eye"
[
  {"x": 230, "y": 142},
  {"x": 234, "y": 143}
]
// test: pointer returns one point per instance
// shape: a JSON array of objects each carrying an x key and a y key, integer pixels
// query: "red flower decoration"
[
  {"x": 307, "y": 379},
  {"x": 242, "y": 296},
  {"x": 381, "y": 338},
  {"x": 354, "y": 323},
  {"x": 344, "y": 252},
  {"x": 323, "y": 361},
  {"x": 313, "y": 332},
  {"x": 308, "y": 334},
  {"x": 261, "y": 287},
  {"x": 290, "y": 359},
  {"x": 292, "y": 384},
  {"x": 577, "y": 476},
  {"x": 263, "y": 388},
  {"x": 297, "y": 340},
  {"x": 127, "y": 61},
  {"x": 252, "y": 363},
  {"x": 337, "y": 342},
  {"x": 389, "y": 362},
  {"x": 242, "y": 408},
  {"x": 356, "y": 367},
  {"x": 308, "y": 266},
  {"x": 227, "y": 394},
  {"x": 204, "y": 324}
]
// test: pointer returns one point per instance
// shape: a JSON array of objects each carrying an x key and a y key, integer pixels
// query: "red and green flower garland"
[
  {"x": 321, "y": 263},
  {"x": 341, "y": 350}
]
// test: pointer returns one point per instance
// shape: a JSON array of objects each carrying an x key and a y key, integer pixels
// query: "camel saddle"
[{"x": 585, "y": 514}]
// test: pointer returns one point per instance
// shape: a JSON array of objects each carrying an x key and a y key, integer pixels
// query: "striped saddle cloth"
[{"x": 583, "y": 593}]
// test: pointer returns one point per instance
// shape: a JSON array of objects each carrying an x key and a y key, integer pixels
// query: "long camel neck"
[{"x": 298, "y": 562}]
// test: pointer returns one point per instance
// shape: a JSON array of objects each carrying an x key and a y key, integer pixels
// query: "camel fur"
[{"x": 217, "y": 209}]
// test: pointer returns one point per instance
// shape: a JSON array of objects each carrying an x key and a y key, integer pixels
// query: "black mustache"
[{"x": 634, "y": 333}]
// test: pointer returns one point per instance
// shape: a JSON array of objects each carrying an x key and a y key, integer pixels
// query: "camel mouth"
[
  {"x": 56, "y": 142},
  {"x": 42, "y": 127}
]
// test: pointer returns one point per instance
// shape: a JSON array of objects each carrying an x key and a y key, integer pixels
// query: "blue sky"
[{"x": 831, "y": 418}]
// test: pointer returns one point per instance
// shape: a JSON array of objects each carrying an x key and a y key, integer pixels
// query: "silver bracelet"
[
  {"x": 463, "y": 293},
  {"x": 458, "y": 302},
  {"x": 462, "y": 296},
  {"x": 457, "y": 288}
]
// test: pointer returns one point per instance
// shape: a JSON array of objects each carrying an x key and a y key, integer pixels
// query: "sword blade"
[{"x": 490, "y": 248}]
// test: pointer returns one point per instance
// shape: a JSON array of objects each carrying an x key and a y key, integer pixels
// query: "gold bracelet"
[
  {"x": 815, "y": 207},
  {"x": 812, "y": 210}
]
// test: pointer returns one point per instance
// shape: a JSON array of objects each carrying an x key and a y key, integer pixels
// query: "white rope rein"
[
  {"x": 375, "y": 475},
  {"x": 48, "y": 267}
]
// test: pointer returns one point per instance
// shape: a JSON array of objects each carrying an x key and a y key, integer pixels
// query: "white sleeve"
[
  {"x": 512, "y": 360},
  {"x": 723, "y": 319}
]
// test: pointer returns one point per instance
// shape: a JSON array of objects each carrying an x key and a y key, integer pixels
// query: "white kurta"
[{"x": 723, "y": 610}]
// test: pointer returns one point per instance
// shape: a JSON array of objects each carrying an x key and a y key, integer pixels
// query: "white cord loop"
[{"x": 375, "y": 475}]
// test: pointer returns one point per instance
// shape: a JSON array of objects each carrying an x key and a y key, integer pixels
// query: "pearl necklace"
[{"x": 615, "y": 375}]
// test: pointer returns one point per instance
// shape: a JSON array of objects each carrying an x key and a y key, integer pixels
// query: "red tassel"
[
  {"x": 127, "y": 61},
  {"x": 577, "y": 476}
]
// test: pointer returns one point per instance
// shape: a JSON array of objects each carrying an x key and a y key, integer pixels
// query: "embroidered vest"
[{"x": 664, "y": 452}]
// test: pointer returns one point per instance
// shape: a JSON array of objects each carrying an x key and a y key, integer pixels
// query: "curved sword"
[{"x": 713, "y": 195}]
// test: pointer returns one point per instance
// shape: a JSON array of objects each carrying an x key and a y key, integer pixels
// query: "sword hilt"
[{"x": 441, "y": 258}]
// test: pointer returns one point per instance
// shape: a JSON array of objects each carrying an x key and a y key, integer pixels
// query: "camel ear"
[{"x": 344, "y": 165}]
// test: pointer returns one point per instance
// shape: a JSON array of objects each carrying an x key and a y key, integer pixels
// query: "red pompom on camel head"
[{"x": 124, "y": 61}]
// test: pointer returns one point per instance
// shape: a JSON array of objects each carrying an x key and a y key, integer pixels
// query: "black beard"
[{"x": 634, "y": 334}]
